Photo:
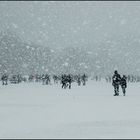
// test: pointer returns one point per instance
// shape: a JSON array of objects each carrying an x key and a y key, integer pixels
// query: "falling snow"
[{"x": 95, "y": 37}]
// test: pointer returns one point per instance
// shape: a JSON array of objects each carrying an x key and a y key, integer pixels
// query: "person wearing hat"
[{"x": 116, "y": 79}]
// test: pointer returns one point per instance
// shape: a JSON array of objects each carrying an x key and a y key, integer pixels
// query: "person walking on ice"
[
  {"x": 116, "y": 79},
  {"x": 123, "y": 84}
]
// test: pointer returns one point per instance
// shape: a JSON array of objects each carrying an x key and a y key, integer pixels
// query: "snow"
[
  {"x": 123, "y": 22},
  {"x": 28, "y": 47},
  {"x": 15, "y": 25},
  {"x": 52, "y": 51},
  {"x": 94, "y": 58},
  {"x": 74, "y": 38},
  {"x": 66, "y": 64},
  {"x": 25, "y": 65},
  {"x": 33, "y": 110}
]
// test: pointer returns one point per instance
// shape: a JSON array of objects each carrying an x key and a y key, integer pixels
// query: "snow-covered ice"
[{"x": 33, "y": 110}]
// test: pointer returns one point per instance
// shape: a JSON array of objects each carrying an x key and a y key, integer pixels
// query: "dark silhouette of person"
[
  {"x": 84, "y": 79},
  {"x": 116, "y": 82},
  {"x": 64, "y": 81},
  {"x": 4, "y": 79},
  {"x": 79, "y": 80},
  {"x": 123, "y": 84},
  {"x": 69, "y": 80}
]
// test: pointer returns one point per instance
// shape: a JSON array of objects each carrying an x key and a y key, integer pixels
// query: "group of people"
[
  {"x": 4, "y": 79},
  {"x": 117, "y": 81},
  {"x": 66, "y": 80}
]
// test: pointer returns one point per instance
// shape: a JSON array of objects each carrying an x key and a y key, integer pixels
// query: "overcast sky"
[{"x": 70, "y": 23}]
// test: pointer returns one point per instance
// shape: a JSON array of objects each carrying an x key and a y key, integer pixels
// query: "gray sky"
[{"x": 70, "y": 23}]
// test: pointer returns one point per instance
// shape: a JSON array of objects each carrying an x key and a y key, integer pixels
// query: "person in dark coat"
[
  {"x": 116, "y": 82},
  {"x": 64, "y": 81},
  {"x": 4, "y": 79},
  {"x": 69, "y": 81},
  {"x": 79, "y": 80},
  {"x": 84, "y": 79},
  {"x": 43, "y": 79},
  {"x": 47, "y": 78},
  {"x": 123, "y": 84}
]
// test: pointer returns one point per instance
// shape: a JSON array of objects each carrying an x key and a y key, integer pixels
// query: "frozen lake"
[{"x": 33, "y": 110}]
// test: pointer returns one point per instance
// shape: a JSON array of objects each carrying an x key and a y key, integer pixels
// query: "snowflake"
[
  {"x": 66, "y": 64},
  {"x": 44, "y": 24},
  {"x": 39, "y": 18},
  {"x": 15, "y": 25},
  {"x": 28, "y": 47},
  {"x": 110, "y": 16},
  {"x": 52, "y": 51},
  {"x": 89, "y": 52},
  {"x": 85, "y": 22},
  {"x": 86, "y": 67},
  {"x": 25, "y": 65},
  {"x": 123, "y": 22},
  {"x": 12, "y": 45},
  {"x": 33, "y": 49}
]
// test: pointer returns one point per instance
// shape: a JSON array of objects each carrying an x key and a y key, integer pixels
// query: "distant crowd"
[{"x": 65, "y": 79}]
